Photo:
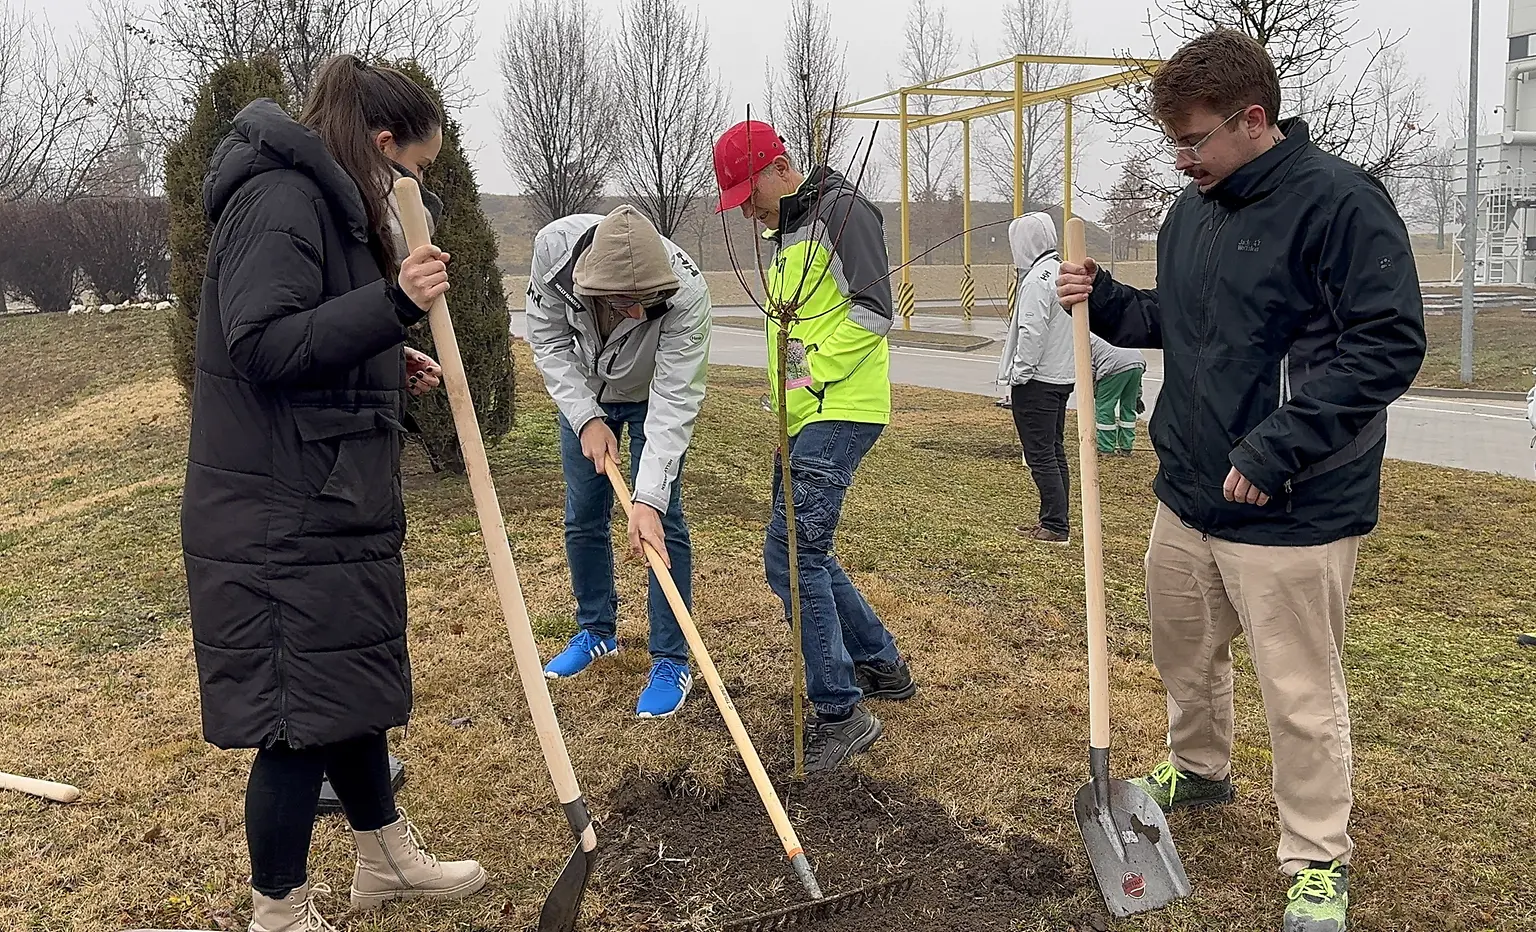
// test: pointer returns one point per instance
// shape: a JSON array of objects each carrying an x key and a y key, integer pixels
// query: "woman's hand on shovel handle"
[
  {"x": 424, "y": 275},
  {"x": 645, "y": 528}
]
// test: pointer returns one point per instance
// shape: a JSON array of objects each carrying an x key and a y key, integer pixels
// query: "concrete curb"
[{"x": 1467, "y": 394}]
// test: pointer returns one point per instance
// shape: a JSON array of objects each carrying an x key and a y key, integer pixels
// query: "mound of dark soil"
[{"x": 682, "y": 856}]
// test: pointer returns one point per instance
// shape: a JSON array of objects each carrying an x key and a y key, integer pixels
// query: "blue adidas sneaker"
[
  {"x": 584, "y": 648},
  {"x": 668, "y": 687}
]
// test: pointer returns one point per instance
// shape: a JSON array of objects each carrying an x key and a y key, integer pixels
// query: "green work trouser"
[{"x": 1115, "y": 400}]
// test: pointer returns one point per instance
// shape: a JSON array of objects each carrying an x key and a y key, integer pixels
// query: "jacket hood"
[
  {"x": 264, "y": 138},
  {"x": 1031, "y": 237},
  {"x": 822, "y": 184},
  {"x": 627, "y": 256}
]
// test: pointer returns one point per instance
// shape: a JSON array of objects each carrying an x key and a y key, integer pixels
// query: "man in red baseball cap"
[{"x": 831, "y": 265}]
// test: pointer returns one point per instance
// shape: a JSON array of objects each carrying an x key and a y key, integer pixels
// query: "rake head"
[{"x": 791, "y": 917}]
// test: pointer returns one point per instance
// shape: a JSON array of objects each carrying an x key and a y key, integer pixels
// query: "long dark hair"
[{"x": 349, "y": 105}]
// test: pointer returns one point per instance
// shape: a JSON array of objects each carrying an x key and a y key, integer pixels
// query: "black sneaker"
[
  {"x": 885, "y": 681},
  {"x": 829, "y": 744}
]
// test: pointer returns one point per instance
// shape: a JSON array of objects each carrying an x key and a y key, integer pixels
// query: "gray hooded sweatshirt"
[
  {"x": 1038, "y": 346},
  {"x": 660, "y": 360}
]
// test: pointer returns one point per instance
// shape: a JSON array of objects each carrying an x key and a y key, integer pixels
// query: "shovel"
[
  {"x": 1124, "y": 831},
  {"x": 821, "y": 906},
  {"x": 563, "y": 903}
]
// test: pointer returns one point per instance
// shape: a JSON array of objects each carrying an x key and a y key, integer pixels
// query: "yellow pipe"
[
  {"x": 1066, "y": 197},
  {"x": 1149, "y": 64},
  {"x": 906, "y": 212},
  {"x": 1018, "y": 137},
  {"x": 1146, "y": 65},
  {"x": 959, "y": 92},
  {"x": 1075, "y": 89},
  {"x": 966, "y": 215}
]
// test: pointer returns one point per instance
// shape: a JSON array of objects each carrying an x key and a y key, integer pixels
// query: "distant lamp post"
[{"x": 1469, "y": 253}]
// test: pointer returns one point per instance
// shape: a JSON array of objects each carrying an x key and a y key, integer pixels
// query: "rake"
[{"x": 820, "y": 906}]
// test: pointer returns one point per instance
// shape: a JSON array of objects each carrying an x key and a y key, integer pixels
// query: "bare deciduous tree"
[
  {"x": 131, "y": 95},
  {"x": 201, "y": 35},
  {"x": 1331, "y": 74},
  {"x": 928, "y": 53},
  {"x": 811, "y": 79},
  {"x": 1434, "y": 201},
  {"x": 671, "y": 104},
  {"x": 1031, "y": 27},
  {"x": 1398, "y": 146},
  {"x": 55, "y": 127},
  {"x": 1134, "y": 212},
  {"x": 559, "y": 115}
]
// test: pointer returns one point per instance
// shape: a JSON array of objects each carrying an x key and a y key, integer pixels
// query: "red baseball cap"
[{"x": 744, "y": 150}]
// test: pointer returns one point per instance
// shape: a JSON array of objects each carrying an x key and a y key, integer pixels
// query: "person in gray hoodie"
[
  {"x": 619, "y": 320},
  {"x": 1037, "y": 364}
]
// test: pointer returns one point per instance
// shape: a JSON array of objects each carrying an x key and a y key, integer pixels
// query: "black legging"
[{"x": 282, "y": 795}]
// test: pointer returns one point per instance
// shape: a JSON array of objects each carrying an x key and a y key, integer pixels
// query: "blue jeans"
[
  {"x": 589, "y": 538},
  {"x": 838, "y": 627}
]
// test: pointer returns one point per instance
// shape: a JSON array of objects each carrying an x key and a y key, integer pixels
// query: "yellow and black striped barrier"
[
  {"x": 1013, "y": 295},
  {"x": 967, "y": 293},
  {"x": 906, "y": 300}
]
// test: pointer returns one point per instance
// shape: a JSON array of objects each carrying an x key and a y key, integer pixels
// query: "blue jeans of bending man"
[
  {"x": 838, "y": 626},
  {"x": 589, "y": 538}
]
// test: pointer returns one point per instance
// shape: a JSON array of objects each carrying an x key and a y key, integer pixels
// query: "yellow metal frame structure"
[{"x": 993, "y": 103}]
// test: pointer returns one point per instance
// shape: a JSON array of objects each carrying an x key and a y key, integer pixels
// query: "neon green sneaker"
[
  {"x": 1174, "y": 789},
  {"x": 1318, "y": 899}
]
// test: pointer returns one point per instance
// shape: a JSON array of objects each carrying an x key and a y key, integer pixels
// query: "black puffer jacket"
[
  {"x": 1289, "y": 315},
  {"x": 292, "y": 520}
]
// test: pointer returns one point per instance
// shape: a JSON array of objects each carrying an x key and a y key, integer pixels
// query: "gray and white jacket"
[
  {"x": 1038, "y": 346},
  {"x": 661, "y": 359},
  {"x": 1109, "y": 359}
]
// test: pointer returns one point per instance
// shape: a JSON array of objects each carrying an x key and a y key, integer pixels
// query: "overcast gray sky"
[{"x": 744, "y": 35}]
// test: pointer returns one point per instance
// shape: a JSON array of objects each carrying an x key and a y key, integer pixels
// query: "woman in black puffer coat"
[{"x": 293, "y": 519}]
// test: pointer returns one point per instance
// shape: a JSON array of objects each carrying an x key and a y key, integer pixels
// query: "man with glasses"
[
  {"x": 1289, "y": 316},
  {"x": 618, "y": 317}
]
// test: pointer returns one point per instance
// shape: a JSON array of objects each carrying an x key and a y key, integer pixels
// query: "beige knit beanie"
[{"x": 627, "y": 257}]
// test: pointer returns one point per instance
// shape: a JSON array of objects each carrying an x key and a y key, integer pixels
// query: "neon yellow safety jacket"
[{"x": 831, "y": 263}]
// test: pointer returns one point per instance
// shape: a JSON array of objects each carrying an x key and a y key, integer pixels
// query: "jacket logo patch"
[
  {"x": 1385, "y": 262},
  {"x": 1248, "y": 245},
  {"x": 685, "y": 263}
]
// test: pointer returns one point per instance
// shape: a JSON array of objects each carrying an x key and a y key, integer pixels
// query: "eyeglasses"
[
  {"x": 624, "y": 302},
  {"x": 1174, "y": 151}
]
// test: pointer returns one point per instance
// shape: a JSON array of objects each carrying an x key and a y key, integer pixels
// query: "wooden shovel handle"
[
  {"x": 1093, "y": 524},
  {"x": 711, "y": 676},
  {"x": 47, "y": 789},
  {"x": 413, "y": 220}
]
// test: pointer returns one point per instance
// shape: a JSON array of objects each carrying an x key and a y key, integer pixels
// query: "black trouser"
[
  {"x": 284, "y": 790},
  {"x": 1040, "y": 415}
]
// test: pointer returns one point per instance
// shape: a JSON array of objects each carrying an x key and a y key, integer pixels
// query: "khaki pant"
[{"x": 1290, "y": 602}]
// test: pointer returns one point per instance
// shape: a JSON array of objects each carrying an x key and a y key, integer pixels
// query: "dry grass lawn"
[
  {"x": 97, "y": 685},
  {"x": 1504, "y": 351}
]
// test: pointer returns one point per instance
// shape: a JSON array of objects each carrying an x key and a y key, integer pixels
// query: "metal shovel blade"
[
  {"x": 563, "y": 905},
  {"x": 1127, "y": 841}
]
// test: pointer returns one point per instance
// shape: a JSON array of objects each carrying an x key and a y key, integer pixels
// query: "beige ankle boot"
[
  {"x": 392, "y": 865},
  {"x": 295, "y": 912}
]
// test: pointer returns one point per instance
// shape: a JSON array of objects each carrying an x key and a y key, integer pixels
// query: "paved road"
[{"x": 1486, "y": 436}]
